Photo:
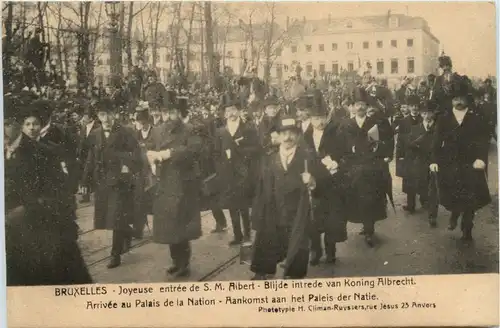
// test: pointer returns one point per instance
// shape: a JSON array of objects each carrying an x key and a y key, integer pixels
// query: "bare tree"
[{"x": 209, "y": 43}]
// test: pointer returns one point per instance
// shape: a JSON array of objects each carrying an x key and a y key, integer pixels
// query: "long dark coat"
[
  {"x": 405, "y": 126},
  {"x": 455, "y": 148},
  {"x": 143, "y": 180},
  {"x": 329, "y": 209},
  {"x": 367, "y": 177},
  {"x": 418, "y": 159},
  {"x": 176, "y": 208},
  {"x": 281, "y": 215},
  {"x": 114, "y": 190},
  {"x": 234, "y": 174},
  {"x": 40, "y": 236}
]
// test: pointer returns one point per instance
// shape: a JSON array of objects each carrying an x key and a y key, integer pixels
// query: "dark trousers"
[
  {"x": 237, "y": 215},
  {"x": 369, "y": 227},
  {"x": 121, "y": 241},
  {"x": 181, "y": 254},
  {"x": 220, "y": 218},
  {"x": 330, "y": 247},
  {"x": 467, "y": 220}
]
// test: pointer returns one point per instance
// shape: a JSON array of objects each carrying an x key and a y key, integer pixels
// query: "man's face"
[
  {"x": 155, "y": 113},
  {"x": 413, "y": 109},
  {"x": 32, "y": 127},
  {"x": 428, "y": 116},
  {"x": 173, "y": 115},
  {"x": 289, "y": 138},
  {"x": 371, "y": 111},
  {"x": 302, "y": 114},
  {"x": 352, "y": 109},
  {"x": 360, "y": 110},
  {"x": 107, "y": 120},
  {"x": 459, "y": 103},
  {"x": 11, "y": 130},
  {"x": 404, "y": 110},
  {"x": 232, "y": 113},
  {"x": 318, "y": 122},
  {"x": 272, "y": 110}
]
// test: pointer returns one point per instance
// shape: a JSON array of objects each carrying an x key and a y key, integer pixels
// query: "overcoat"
[
  {"x": 114, "y": 188},
  {"x": 234, "y": 170},
  {"x": 329, "y": 207},
  {"x": 418, "y": 159},
  {"x": 367, "y": 178},
  {"x": 281, "y": 215},
  {"x": 143, "y": 180},
  {"x": 176, "y": 208},
  {"x": 455, "y": 148},
  {"x": 40, "y": 237},
  {"x": 405, "y": 126}
]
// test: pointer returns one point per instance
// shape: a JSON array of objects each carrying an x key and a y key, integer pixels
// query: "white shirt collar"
[
  {"x": 145, "y": 133},
  {"x": 232, "y": 126},
  {"x": 286, "y": 156},
  {"x": 360, "y": 121},
  {"x": 317, "y": 136},
  {"x": 89, "y": 127},
  {"x": 460, "y": 114},
  {"x": 305, "y": 125}
]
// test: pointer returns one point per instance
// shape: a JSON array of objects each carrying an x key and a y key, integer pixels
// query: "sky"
[{"x": 466, "y": 30}]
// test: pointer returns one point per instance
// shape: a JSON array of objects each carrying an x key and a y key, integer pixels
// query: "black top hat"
[
  {"x": 444, "y": 60},
  {"x": 413, "y": 100},
  {"x": 142, "y": 116},
  {"x": 106, "y": 105},
  {"x": 182, "y": 105},
  {"x": 287, "y": 123},
  {"x": 41, "y": 109},
  {"x": 429, "y": 106},
  {"x": 312, "y": 104},
  {"x": 228, "y": 100}
]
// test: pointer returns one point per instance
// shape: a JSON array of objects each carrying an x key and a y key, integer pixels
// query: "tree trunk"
[
  {"x": 121, "y": 36},
  {"x": 7, "y": 44},
  {"x": 209, "y": 43},
  {"x": 202, "y": 44},
  {"x": 129, "y": 36},
  {"x": 189, "y": 38},
  {"x": 58, "y": 38}
]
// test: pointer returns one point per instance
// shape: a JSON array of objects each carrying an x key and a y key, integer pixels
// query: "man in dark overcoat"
[
  {"x": 143, "y": 179},
  {"x": 40, "y": 231},
  {"x": 236, "y": 144},
  {"x": 89, "y": 124},
  {"x": 418, "y": 179},
  {"x": 282, "y": 207},
  {"x": 405, "y": 126},
  {"x": 459, "y": 156},
  {"x": 114, "y": 157},
  {"x": 176, "y": 208},
  {"x": 329, "y": 216},
  {"x": 367, "y": 150}
]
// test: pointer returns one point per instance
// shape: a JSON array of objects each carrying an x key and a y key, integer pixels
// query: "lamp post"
[{"x": 113, "y": 13}]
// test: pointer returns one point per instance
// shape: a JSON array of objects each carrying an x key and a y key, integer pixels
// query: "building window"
[
  {"x": 243, "y": 53},
  {"x": 255, "y": 52},
  {"x": 100, "y": 79},
  {"x": 334, "y": 46},
  {"x": 279, "y": 72},
  {"x": 394, "y": 22},
  {"x": 394, "y": 43},
  {"x": 230, "y": 54},
  {"x": 380, "y": 44},
  {"x": 278, "y": 51},
  {"x": 308, "y": 48},
  {"x": 167, "y": 57},
  {"x": 107, "y": 61},
  {"x": 366, "y": 45},
  {"x": 309, "y": 69},
  {"x": 99, "y": 62},
  {"x": 350, "y": 66},
  {"x": 409, "y": 43},
  {"x": 321, "y": 69},
  {"x": 350, "y": 45},
  {"x": 335, "y": 68},
  {"x": 349, "y": 24},
  {"x": 321, "y": 47},
  {"x": 294, "y": 49},
  {"x": 394, "y": 66},
  {"x": 380, "y": 67},
  {"x": 411, "y": 65}
]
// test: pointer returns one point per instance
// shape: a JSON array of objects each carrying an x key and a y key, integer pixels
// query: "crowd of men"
[{"x": 293, "y": 170}]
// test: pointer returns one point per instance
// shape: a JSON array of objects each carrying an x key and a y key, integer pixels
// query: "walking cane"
[
  {"x": 436, "y": 185},
  {"x": 309, "y": 193}
]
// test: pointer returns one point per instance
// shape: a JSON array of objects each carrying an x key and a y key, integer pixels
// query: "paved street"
[{"x": 405, "y": 245}]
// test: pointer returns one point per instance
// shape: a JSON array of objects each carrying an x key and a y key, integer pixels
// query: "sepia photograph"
[{"x": 170, "y": 142}]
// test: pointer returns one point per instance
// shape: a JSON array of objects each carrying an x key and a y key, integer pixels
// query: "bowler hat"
[
  {"x": 182, "y": 105},
  {"x": 287, "y": 123},
  {"x": 413, "y": 100}
]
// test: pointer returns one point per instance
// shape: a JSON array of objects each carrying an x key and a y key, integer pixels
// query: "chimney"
[
  {"x": 287, "y": 22},
  {"x": 329, "y": 18},
  {"x": 304, "y": 19}
]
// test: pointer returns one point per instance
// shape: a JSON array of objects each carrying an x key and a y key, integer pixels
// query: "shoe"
[
  {"x": 235, "y": 242},
  {"x": 369, "y": 240},
  {"x": 182, "y": 272},
  {"x": 258, "y": 276},
  {"x": 315, "y": 258},
  {"x": 408, "y": 209},
  {"x": 219, "y": 229},
  {"x": 330, "y": 259},
  {"x": 466, "y": 236},
  {"x": 173, "y": 269},
  {"x": 114, "y": 262},
  {"x": 127, "y": 245},
  {"x": 432, "y": 222}
]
